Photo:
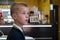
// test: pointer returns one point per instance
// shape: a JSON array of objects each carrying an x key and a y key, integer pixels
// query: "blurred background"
[{"x": 41, "y": 12}]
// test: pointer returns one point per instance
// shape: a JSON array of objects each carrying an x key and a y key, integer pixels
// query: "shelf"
[{"x": 27, "y": 26}]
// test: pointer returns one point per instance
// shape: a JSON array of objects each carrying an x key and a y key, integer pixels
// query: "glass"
[{"x": 6, "y": 17}]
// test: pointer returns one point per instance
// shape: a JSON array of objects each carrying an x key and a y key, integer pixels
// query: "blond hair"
[{"x": 15, "y": 7}]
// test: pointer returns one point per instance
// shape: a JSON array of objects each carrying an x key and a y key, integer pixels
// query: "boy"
[{"x": 19, "y": 12}]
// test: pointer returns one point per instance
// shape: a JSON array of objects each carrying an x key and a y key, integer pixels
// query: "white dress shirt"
[{"x": 18, "y": 27}]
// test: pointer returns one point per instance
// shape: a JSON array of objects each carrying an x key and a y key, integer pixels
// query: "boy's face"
[{"x": 22, "y": 16}]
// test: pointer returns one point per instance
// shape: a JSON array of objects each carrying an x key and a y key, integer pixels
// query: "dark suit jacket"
[{"x": 15, "y": 34}]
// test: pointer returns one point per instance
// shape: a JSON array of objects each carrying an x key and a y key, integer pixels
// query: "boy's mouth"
[{"x": 26, "y": 20}]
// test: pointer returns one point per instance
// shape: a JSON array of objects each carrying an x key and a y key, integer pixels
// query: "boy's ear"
[{"x": 14, "y": 16}]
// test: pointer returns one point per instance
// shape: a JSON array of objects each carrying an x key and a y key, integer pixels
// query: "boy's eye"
[{"x": 23, "y": 13}]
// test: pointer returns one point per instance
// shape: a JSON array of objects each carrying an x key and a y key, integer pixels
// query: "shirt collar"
[{"x": 18, "y": 27}]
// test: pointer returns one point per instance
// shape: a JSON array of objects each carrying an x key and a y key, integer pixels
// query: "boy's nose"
[{"x": 27, "y": 16}]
